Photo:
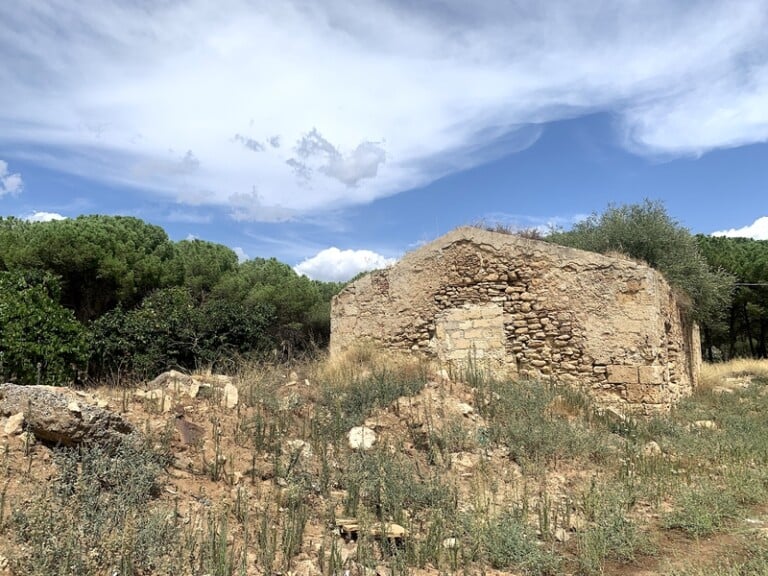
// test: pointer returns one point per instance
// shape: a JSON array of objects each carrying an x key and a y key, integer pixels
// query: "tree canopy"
[
  {"x": 101, "y": 261},
  {"x": 116, "y": 294}
]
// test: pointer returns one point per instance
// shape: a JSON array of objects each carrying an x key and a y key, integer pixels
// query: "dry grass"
[
  {"x": 742, "y": 368},
  {"x": 366, "y": 359}
]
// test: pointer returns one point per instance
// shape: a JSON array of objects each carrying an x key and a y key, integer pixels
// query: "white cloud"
[
  {"x": 317, "y": 106},
  {"x": 241, "y": 255},
  {"x": 11, "y": 184},
  {"x": 44, "y": 217},
  {"x": 334, "y": 265},
  {"x": 757, "y": 230}
]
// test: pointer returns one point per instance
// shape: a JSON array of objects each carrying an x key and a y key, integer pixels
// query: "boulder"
[{"x": 49, "y": 414}]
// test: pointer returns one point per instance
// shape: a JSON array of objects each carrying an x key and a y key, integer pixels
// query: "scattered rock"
[
  {"x": 15, "y": 424},
  {"x": 47, "y": 416},
  {"x": 705, "y": 425},
  {"x": 614, "y": 416},
  {"x": 298, "y": 446},
  {"x": 388, "y": 530},
  {"x": 576, "y": 523},
  {"x": 562, "y": 535},
  {"x": 651, "y": 448},
  {"x": 733, "y": 383},
  {"x": 361, "y": 438},
  {"x": 229, "y": 396},
  {"x": 350, "y": 527},
  {"x": 74, "y": 407},
  {"x": 450, "y": 543},
  {"x": 466, "y": 460},
  {"x": 194, "y": 389},
  {"x": 465, "y": 409},
  {"x": 182, "y": 462},
  {"x": 163, "y": 398},
  {"x": 180, "y": 383},
  {"x": 305, "y": 568},
  {"x": 171, "y": 379},
  {"x": 27, "y": 439}
]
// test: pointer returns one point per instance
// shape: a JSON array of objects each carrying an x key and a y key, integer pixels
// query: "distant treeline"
[
  {"x": 743, "y": 329},
  {"x": 114, "y": 297}
]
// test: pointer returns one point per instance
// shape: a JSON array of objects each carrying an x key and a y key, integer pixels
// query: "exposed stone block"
[
  {"x": 646, "y": 394},
  {"x": 620, "y": 374},
  {"x": 651, "y": 374}
]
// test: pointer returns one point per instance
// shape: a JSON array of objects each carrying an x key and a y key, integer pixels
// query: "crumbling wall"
[{"x": 526, "y": 308}]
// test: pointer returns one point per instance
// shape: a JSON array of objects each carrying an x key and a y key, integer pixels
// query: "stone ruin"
[{"x": 524, "y": 308}]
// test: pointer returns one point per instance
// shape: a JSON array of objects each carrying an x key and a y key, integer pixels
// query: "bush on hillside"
[{"x": 171, "y": 329}]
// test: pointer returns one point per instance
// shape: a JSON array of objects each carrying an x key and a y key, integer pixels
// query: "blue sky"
[{"x": 338, "y": 136}]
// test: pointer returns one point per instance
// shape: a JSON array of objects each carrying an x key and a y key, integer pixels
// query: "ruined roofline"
[{"x": 503, "y": 242}]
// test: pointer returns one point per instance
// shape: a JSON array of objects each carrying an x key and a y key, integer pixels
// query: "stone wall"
[{"x": 526, "y": 308}]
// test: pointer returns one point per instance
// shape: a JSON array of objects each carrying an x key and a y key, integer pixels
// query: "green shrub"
[
  {"x": 172, "y": 329},
  {"x": 40, "y": 341},
  {"x": 519, "y": 417},
  {"x": 506, "y": 542},
  {"x": 387, "y": 483},
  {"x": 95, "y": 513},
  {"x": 702, "y": 509},
  {"x": 344, "y": 405},
  {"x": 611, "y": 533}
]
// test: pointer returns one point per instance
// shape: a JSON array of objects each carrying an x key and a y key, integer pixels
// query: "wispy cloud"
[
  {"x": 757, "y": 230},
  {"x": 334, "y": 265},
  {"x": 188, "y": 217},
  {"x": 317, "y": 106},
  {"x": 10, "y": 184},
  {"x": 542, "y": 224}
]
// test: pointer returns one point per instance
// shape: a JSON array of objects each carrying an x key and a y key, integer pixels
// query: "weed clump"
[{"x": 94, "y": 514}]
